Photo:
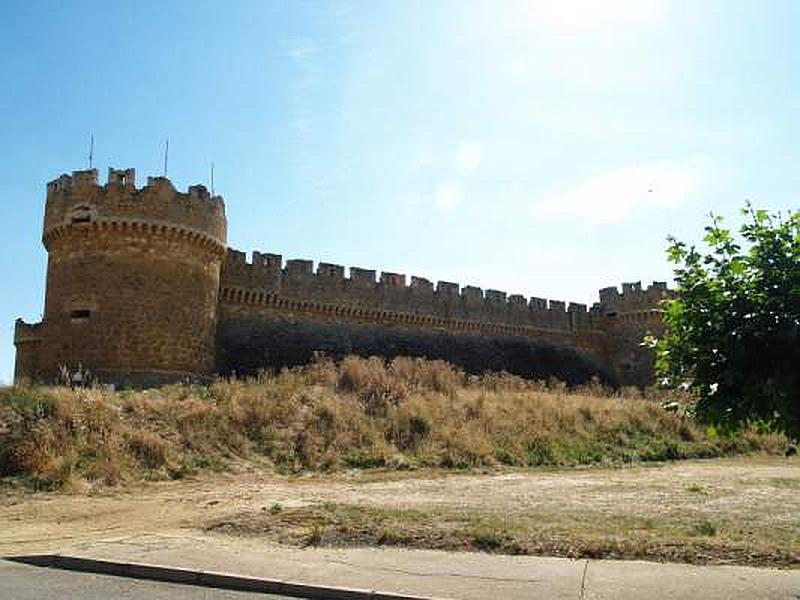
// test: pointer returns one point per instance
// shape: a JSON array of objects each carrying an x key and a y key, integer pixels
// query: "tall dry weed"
[{"x": 360, "y": 412}]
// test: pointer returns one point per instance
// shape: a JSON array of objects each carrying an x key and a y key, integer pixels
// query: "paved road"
[{"x": 23, "y": 582}]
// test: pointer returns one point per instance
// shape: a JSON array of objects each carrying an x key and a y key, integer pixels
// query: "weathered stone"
[{"x": 141, "y": 289}]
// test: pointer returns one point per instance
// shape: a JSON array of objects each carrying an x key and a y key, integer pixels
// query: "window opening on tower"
[{"x": 81, "y": 214}]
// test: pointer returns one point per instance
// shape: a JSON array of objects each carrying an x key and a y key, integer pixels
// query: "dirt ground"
[{"x": 739, "y": 510}]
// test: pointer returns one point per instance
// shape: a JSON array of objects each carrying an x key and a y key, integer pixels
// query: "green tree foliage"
[{"x": 733, "y": 331}]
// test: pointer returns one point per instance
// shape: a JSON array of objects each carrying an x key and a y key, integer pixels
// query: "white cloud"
[
  {"x": 301, "y": 49},
  {"x": 449, "y": 195},
  {"x": 515, "y": 67},
  {"x": 469, "y": 156},
  {"x": 612, "y": 196},
  {"x": 425, "y": 157},
  {"x": 597, "y": 43},
  {"x": 582, "y": 15},
  {"x": 300, "y": 124}
]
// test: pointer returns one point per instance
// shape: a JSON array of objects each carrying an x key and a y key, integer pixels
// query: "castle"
[{"x": 142, "y": 289}]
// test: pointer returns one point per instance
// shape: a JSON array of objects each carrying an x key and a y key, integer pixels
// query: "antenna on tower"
[
  {"x": 91, "y": 149},
  {"x": 166, "y": 156},
  {"x": 212, "y": 179}
]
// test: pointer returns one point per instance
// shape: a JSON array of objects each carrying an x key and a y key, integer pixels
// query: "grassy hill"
[{"x": 359, "y": 413}]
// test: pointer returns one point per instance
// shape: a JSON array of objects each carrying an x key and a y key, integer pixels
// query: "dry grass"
[
  {"x": 360, "y": 413},
  {"x": 553, "y": 534}
]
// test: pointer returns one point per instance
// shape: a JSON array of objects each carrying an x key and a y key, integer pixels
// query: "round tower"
[{"x": 132, "y": 279}]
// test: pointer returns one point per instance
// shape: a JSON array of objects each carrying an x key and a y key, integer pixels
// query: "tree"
[{"x": 733, "y": 329}]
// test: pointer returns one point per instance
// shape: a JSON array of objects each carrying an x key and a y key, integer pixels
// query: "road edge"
[{"x": 210, "y": 579}]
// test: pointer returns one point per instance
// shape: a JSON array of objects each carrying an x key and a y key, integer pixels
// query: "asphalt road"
[{"x": 23, "y": 582}]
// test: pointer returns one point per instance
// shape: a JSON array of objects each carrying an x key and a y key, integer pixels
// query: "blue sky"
[{"x": 544, "y": 148}]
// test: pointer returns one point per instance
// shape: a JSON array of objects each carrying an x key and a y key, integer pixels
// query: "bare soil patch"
[{"x": 737, "y": 511}]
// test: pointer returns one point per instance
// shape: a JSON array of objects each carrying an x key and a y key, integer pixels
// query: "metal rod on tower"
[
  {"x": 166, "y": 156},
  {"x": 212, "y": 179},
  {"x": 91, "y": 149}
]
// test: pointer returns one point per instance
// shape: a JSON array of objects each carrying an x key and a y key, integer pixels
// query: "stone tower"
[{"x": 132, "y": 281}]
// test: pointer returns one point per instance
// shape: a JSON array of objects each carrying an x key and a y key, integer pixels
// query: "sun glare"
[{"x": 586, "y": 15}]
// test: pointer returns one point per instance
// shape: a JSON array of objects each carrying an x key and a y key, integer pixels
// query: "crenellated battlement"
[
  {"x": 142, "y": 288},
  {"x": 633, "y": 297},
  {"x": 268, "y": 271},
  {"x": 268, "y": 275},
  {"x": 25, "y": 333},
  {"x": 125, "y": 178},
  {"x": 78, "y": 200}
]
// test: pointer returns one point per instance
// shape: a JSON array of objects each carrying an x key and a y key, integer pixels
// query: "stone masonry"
[{"x": 142, "y": 289}]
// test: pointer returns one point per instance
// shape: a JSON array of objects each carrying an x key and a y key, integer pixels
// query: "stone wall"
[
  {"x": 265, "y": 276},
  {"x": 28, "y": 341},
  {"x": 132, "y": 280},
  {"x": 141, "y": 289},
  {"x": 266, "y": 304},
  {"x": 79, "y": 198},
  {"x": 249, "y": 341}
]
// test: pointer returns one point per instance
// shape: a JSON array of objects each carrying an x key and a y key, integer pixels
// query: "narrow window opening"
[
  {"x": 80, "y": 314},
  {"x": 81, "y": 214}
]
